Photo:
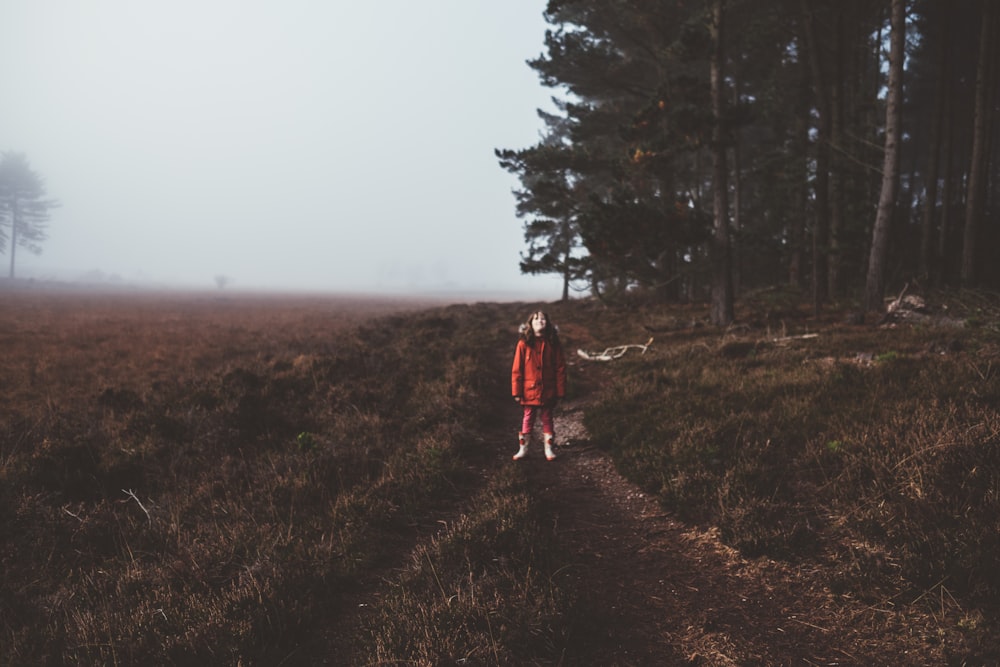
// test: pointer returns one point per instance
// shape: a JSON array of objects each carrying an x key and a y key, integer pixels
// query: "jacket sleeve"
[
  {"x": 517, "y": 371},
  {"x": 560, "y": 372}
]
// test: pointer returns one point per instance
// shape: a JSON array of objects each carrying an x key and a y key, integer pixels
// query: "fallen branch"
[
  {"x": 131, "y": 494},
  {"x": 75, "y": 516},
  {"x": 612, "y": 353},
  {"x": 786, "y": 339}
]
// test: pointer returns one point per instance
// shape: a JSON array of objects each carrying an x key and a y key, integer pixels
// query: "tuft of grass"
[
  {"x": 481, "y": 592},
  {"x": 887, "y": 357}
]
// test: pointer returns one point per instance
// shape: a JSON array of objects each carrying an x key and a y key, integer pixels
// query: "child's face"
[{"x": 538, "y": 323}]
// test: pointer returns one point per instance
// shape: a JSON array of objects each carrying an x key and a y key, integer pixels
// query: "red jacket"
[{"x": 538, "y": 375}]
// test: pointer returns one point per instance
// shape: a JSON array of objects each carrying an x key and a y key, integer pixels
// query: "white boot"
[
  {"x": 549, "y": 442},
  {"x": 522, "y": 451}
]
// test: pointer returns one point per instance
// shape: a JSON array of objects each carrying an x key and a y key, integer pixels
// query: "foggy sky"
[{"x": 300, "y": 144}]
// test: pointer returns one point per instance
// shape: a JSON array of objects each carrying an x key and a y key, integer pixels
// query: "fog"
[{"x": 294, "y": 145}]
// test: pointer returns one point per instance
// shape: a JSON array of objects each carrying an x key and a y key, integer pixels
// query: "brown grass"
[
  {"x": 235, "y": 480},
  {"x": 194, "y": 478},
  {"x": 871, "y": 450}
]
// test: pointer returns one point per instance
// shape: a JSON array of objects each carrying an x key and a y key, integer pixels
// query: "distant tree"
[{"x": 24, "y": 208}]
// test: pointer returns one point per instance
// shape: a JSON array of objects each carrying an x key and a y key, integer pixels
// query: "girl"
[{"x": 538, "y": 379}]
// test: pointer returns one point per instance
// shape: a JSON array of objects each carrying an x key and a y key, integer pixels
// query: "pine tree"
[
  {"x": 24, "y": 208},
  {"x": 648, "y": 170},
  {"x": 548, "y": 193}
]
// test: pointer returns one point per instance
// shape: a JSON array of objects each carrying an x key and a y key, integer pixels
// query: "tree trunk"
[
  {"x": 797, "y": 225},
  {"x": 927, "y": 268},
  {"x": 821, "y": 228},
  {"x": 993, "y": 146},
  {"x": 567, "y": 260},
  {"x": 14, "y": 224},
  {"x": 837, "y": 170},
  {"x": 737, "y": 202},
  {"x": 875, "y": 284},
  {"x": 943, "y": 262},
  {"x": 565, "y": 286},
  {"x": 974, "y": 199},
  {"x": 722, "y": 279},
  {"x": 870, "y": 126}
]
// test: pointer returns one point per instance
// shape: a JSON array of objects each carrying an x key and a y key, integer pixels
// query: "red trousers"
[{"x": 543, "y": 411}]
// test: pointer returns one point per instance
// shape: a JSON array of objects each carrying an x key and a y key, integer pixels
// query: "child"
[{"x": 538, "y": 379}]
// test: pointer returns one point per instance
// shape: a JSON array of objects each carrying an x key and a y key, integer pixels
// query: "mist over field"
[{"x": 275, "y": 146}]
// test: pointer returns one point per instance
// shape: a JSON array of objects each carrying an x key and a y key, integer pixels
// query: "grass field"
[{"x": 225, "y": 479}]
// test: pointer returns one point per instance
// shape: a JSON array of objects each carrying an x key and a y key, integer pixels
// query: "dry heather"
[
  {"x": 194, "y": 479},
  {"x": 201, "y": 479},
  {"x": 869, "y": 451}
]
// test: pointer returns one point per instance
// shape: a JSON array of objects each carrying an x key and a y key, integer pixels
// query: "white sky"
[{"x": 286, "y": 144}]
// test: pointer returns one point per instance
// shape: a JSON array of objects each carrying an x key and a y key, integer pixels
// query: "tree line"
[
  {"x": 24, "y": 207},
  {"x": 699, "y": 149}
]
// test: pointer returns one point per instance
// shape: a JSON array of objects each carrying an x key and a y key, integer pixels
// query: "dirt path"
[{"x": 653, "y": 591}]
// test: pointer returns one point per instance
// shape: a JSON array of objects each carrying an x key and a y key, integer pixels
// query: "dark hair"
[{"x": 527, "y": 332}]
